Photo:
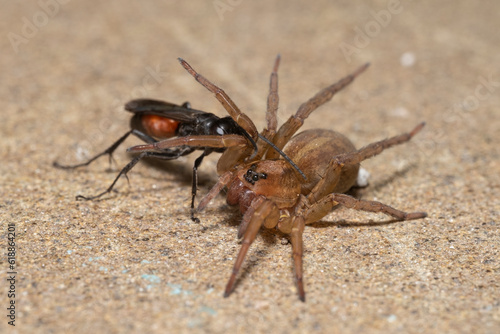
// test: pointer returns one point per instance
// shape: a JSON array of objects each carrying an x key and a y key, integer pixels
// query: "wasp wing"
[{"x": 175, "y": 112}]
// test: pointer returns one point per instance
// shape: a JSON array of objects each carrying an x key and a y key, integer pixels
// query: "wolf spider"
[{"x": 268, "y": 190}]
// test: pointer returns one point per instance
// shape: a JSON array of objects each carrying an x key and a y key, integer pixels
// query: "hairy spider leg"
[
  {"x": 239, "y": 117},
  {"x": 290, "y": 127},
  {"x": 317, "y": 204}
]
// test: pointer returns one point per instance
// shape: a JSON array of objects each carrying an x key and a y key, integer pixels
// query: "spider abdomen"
[{"x": 312, "y": 150}]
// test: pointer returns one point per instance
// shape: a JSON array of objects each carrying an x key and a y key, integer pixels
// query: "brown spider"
[{"x": 268, "y": 190}]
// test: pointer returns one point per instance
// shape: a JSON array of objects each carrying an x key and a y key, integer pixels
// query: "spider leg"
[
  {"x": 223, "y": 181},
  {"x": 376, "y": 148},
  {"x": 270, "y": 221},
  {"x": 193, "y": 141},
  {"x": 319, "y": 202},
  {"x": 242, "y": 119},
  {"x": 331, "y": 175},
  {"x": 326, "y": 203},
  {"x": 290, "y": 127},
  {"x": 272, "y": 102},
  {"x": 265, "y": 212},
  {"x": 245, "y": 221},
  {"x": 272, "y": 109},
  {"x": 297, "y": 252}
]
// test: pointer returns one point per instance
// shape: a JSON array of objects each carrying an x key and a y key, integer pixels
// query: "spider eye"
[{"x": 252, "y": 176}]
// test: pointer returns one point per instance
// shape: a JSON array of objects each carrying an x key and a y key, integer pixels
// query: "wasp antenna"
[
  {"x": 254, "y": 144},
  {"x": 286, "y": 157}
]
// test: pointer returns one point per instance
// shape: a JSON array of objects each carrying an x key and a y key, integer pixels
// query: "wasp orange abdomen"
[{"x": 159, "y": 127}]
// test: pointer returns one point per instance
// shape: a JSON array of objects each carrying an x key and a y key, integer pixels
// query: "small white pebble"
[
  {"x": 400, "y": 112},
  {"x": 392, "y": 318},
  {"x": 407, "y": 59},
  {"x": 363, "y": 177}
]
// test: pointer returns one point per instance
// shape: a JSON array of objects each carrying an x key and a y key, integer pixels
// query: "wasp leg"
[
  {"x": 170, "y": 155},
  {"x": 194, "y": 188},
  {"x": 110, "y": 150}
]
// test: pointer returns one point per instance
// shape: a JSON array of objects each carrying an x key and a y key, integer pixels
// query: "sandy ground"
[{"x": 134, "y": 261}]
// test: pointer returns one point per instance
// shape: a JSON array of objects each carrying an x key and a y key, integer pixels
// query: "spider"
[
  {"x": 268, "y": 190},
  {"x": 155, "y": 120}
]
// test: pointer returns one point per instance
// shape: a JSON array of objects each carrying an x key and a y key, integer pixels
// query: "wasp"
[{"x": 153, "y": 121}]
